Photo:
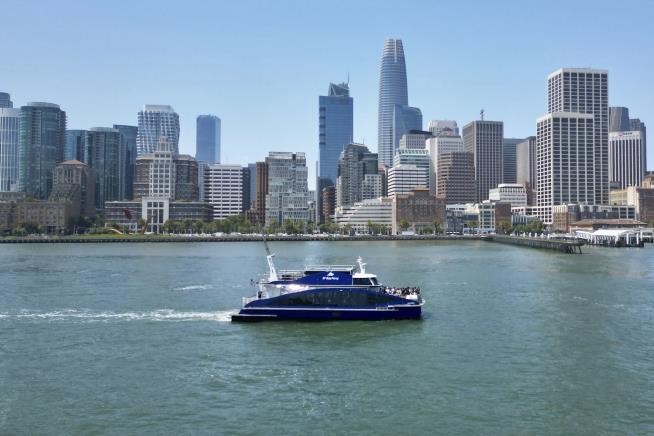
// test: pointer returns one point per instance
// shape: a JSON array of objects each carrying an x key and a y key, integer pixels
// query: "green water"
[{"x": 135, "y": 339}]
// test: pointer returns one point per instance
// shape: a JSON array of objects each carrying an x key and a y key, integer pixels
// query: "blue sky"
[{"x": 260, "y": 65}]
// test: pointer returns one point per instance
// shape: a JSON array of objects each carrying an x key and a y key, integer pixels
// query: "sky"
[{"x": 261, "y": 65}]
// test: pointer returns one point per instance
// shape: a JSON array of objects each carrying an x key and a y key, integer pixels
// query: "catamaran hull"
[{"x": 327, "y": 314}]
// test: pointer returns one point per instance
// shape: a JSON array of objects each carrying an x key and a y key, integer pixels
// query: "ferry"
[{"x": 328, "y": 292}]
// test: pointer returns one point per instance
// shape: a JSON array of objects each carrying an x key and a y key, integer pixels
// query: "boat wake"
[
  {"x": 193, "y": 288},
  {"x": 84, "y": 315}
]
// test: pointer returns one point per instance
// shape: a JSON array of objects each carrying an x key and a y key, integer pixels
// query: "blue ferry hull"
[{"x": 326, "y": 314}]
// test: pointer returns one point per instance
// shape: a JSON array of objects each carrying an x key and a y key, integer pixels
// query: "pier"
[{"x": 565, "y": 246}]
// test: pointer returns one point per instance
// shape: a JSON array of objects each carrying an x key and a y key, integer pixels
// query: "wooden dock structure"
[{"x": 569, "y": 246}]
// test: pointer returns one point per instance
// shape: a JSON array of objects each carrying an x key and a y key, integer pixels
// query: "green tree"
[
  {"x": 404, "y": 225},
  {"x": 18, "y": 231},
  {"x": 438, "y": 228},
  {"x": 504, "y": 227}
]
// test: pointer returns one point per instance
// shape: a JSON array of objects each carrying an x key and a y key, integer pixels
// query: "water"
[{"x": 136, "y": 339}]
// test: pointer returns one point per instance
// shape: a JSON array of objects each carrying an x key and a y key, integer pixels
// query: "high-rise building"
[
  {"x": 526, "y": 167},
  {"x": 223, "y": 189},
  {"x": 74, "y": 181},
  {"x": 395, "y": 117},
  {"x": 422, "y": 161},
  {"x": 252, "y": 168},
  {"x": 328, "y": 203},
  {"x": 445, "y": 142},
  {"x": 42, "y": 143},
  {"x": 456, "y": 177},
  {"x": 5, "y": 101},
  {"x": 75, "y": 145},
  {"x": 207, "y": 139},
  {"x": 626, "y": 158},
  {"x": 372, "y": 186},
  {"x": 635, "y": 125},
  {"x": 485, "y": 140},
  {"x": 288, "y": 194},
  {"x": 335, "y": 120},
  {"x": 156, "y": 122},
  {"x": 404, "y": 178},
  {"x": 258, "y": 215},
  {"x": 9, "y": 148},
  {"x": 585, "y": 91},
  {"x": 565, "y": 160},
  {"x": 415, "y": 139},
  {"x": 105, "y": 155},
  {"x": 129, "y": 134},
  {"x": 509, "y": 169},
  {"x": 245, "y": 191},
  {"x": 354, "y": 163},
  {"x": 619, "y": 119},
  {"x": 443, "y": 127}
]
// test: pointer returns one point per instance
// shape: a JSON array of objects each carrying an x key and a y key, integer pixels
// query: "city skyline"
[{"x": 231, "y": 87}]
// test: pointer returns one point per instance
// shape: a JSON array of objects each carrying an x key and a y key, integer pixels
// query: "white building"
[
  {"x": 626, "y": 158},
  {"x": 156, "y": 122},
  {"x": 372, "y": 186},
  {"x": 414, "y": 139},
  {"x": 223, "y": 189},
  {"x": 288, "y": 194},
  {"x": 440, "y": 127},
  {"x": 513, "y": 193},
  {"x": 440, "y": 145},
  {"x": 376, "y": 211},
  {"x": 411, "y": 168}
]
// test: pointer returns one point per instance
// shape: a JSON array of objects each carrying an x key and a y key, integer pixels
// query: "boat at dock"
[{"x": 328, "y": 292}]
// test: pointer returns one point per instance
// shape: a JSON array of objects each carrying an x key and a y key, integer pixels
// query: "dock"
[{"x": 569, "y": 246}]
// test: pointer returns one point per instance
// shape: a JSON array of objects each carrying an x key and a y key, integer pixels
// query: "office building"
[
  {"x": 223, "y": 189},
  {"x": 129, "y": 134},
  {"x": 415, "y": 139},
  {"x": 75, "y": 182},
  {"x": 5, "y": 101},
  {"x": 485, "y": 140},
  {"x": 565, "y": 161},
  {"x": 395, "y": 117},
  {"x": 509, "y": 159},
  {"x": 446, "y": 142},
  {"x": 404, "y": 178},
  {"x": 75, "y": 147},
  {"x": 154, "y": 123},
  {"x": 626, "y": 158},
  {"x": 252, "y": 169},
  {"x": 619, "y": 119},
  {"x": 513, "y": 193},
  {"x": 105, "y": 155},
  {"x": 245, "y": 192},
  {"x": 585, "y": 91},
  {"x": 419, "y": 208},
  {"x": 455, "y": 183},
  {"x": 354, "y": 163},
  {"x": 9, "y": 146},
  {"x": 443, "y": 127},
  {"x": 526, "y": 167},
  {"x": 421, "y": 159},
  {"x": 288, "y": 194},
  {"x": 335, "y": 120},
  {"x": 42, "y": 143},
  {"x": 207, "y": 139},
  {"x": 372, "y": 186},
  {"x": 328, "y": 203},
  {"x": 359, "y": 215}
]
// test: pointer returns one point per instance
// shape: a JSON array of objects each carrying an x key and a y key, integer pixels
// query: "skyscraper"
[
  {"x": 75, "y": 145},
  {"x": 636, "y": 125},
  {"x": 456, "y": 175},
  {"x": 223, "y": 189},
  {"x": 335, "y": 120},
  {"x": 42, "y": 142},
  {"x": 105, "y": 155},
  {"x": 129, "y": 134},
  {"x": 207, "y": 139},
  {"x": 619, "y": 119},
  {"x": 485, "y": 140},
  {"x": 5, "y": 101},
  {"x": 395, "y": 117},
  {"x": 445, "y": 142},
  {"x": 585, "y": 91},
  {"x": 9, "y": 146},
  {"x": 526, "y": 167},
  {"x": 156, "y": 122},
  {"x": 354, "y": 163},
  {"x": 288, "y": 194},
  {"x": 509, "y": 159},
  {"x": 447, "y": 127},
  {"x": 626, "y": 158}
]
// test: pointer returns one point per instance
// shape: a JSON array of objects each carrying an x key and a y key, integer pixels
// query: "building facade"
[
  {"x": 443, "y": 127},
  {"x": 355, "y": 162},
  {"x": 446, "y": 142},
  {"x": 42, "y": 143},
  {"x": 509, "y": 159},
  {"x": 5, "y": 101},
  {"x": 626, "y": 158},
  {"x": 74, "y": 181},
  {"x": 485, "y": 140},
  {"x": 415, "y": 139},
  {"x": 456, "y": 177},
  {"x": 75, "y": 145},
  {"x": 154, "y": 123},
  {"x": 336, "y": 128},
  {"x": 526, "y": 167},
  {"x": 129, "y": 134},
  {"x": 359, "y": 215},
  {"x": 513, "y": 193},
  {"x": 288, "y": 195},
  {"x": 9, "y": 147},
  {"x": 207, "y": 139},
  {"x": 419, "y": 208},
  {"x": 223, "y": 189},
  {"x": 105, "y": 155}
]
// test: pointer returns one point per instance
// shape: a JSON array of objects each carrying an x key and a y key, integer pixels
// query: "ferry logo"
[{"x": 330, "y": 276}]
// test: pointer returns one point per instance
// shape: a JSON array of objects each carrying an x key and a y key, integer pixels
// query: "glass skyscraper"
[
  {"x": 105, "y": 154},
  {"x": 5, "y": 100},
  {"x": 156, "y": 122},
  {"x": 129, "y": 134},
  {"x": 42, "y": 143},
  {"x": 207, "y": 139},
  {"x": 75, "y": 145},
  {"x": 335, "y": 119},
  {"x": 395, "y": 117},
  {"x": 9, "y": 141}
]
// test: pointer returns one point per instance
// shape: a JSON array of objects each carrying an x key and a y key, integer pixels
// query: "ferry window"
[
  {"x": 361, "y": 282},
  {"x": 374, "y": 281}
]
